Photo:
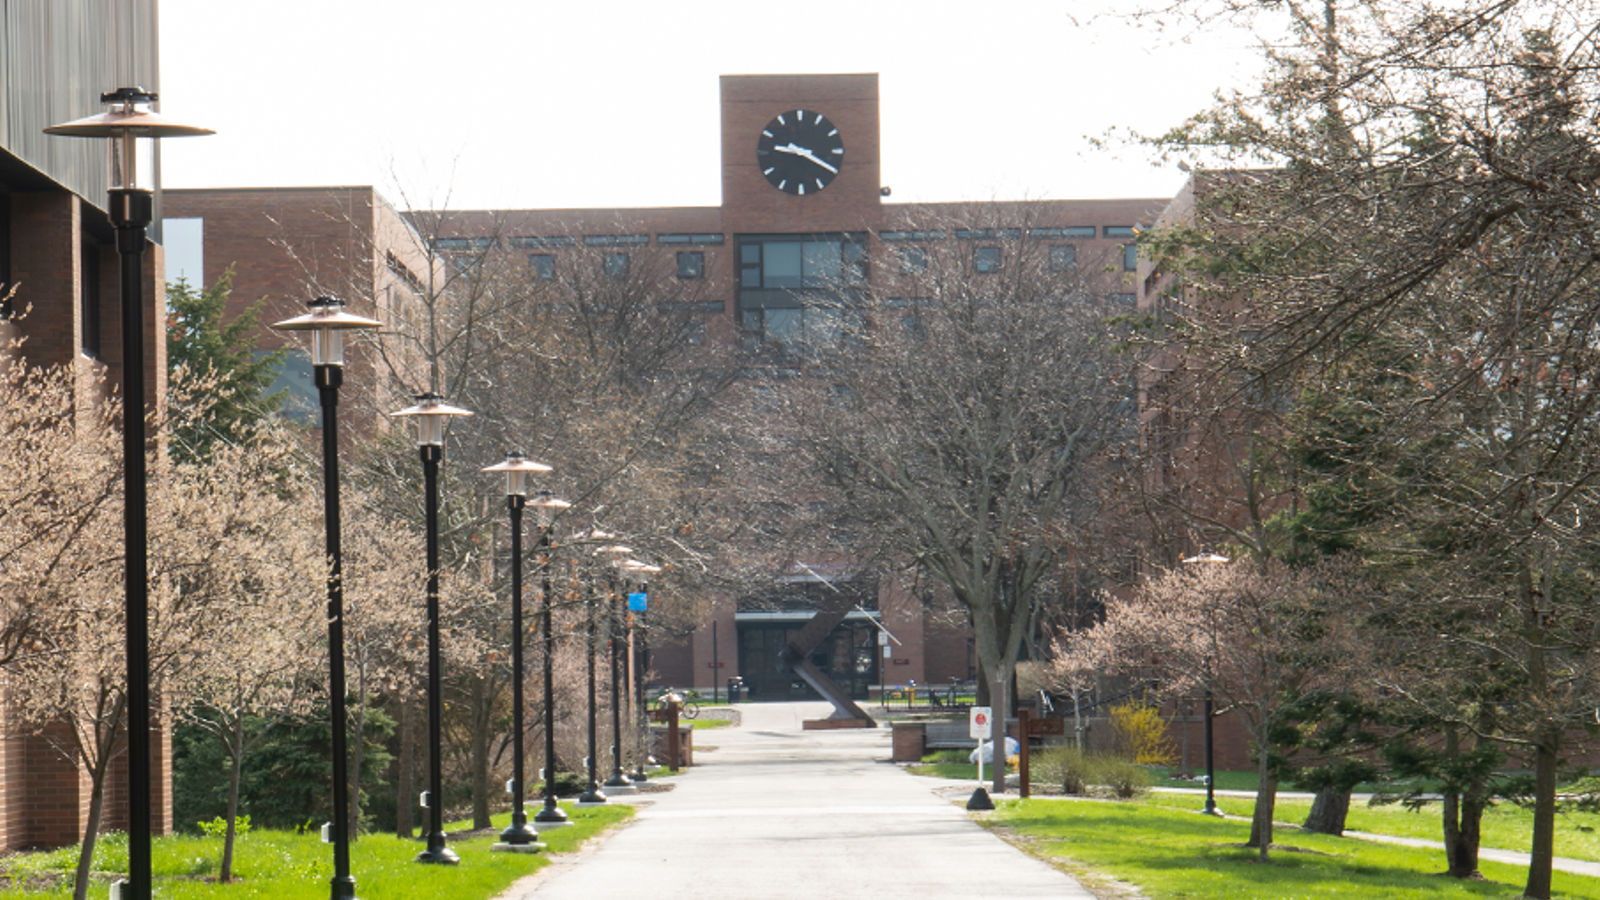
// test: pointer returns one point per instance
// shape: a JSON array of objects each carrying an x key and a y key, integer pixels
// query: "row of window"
[
  {"x": 560, "y": 241},
  {"x": 615, "y": 264},
  {"x": 778, "y": 265},
  {"x": 1012, "y": 234}
]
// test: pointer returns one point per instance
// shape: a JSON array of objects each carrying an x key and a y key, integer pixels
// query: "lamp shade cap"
[
  {"x": 326, "y": 312},
  {"x": 516, "y": 462},
  {"x": 430, "y": 404}
]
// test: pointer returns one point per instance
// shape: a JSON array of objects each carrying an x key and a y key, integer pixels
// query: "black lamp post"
[
  {"x": 327, "y": 323},
  {"x": 640, "y": 665},
  {"x": 130, "y": 207},
  {"x": 518, "y": 836},
  {"x": 592, "y": 796},
  {"x": 546, "y": 506},
  {"x": 1208, "y": 558},
  {"x": 618, "y": 780},
  {"x": 431, "y": 413}
]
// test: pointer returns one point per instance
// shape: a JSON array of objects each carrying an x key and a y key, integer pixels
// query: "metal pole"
[
  {"x": 329, "y": 379},
  {"x": 519, "y": 833},
  {"x": 130, "y": 215},
  {"x": 593, "y": 794},
  {"x": 614, "y": 638},
  {"x": 551, "y": 814},
  {"x": 1211, "y": 797},
  {"x": 437, "y": 852},
  {"x": 641, "y": 665}
]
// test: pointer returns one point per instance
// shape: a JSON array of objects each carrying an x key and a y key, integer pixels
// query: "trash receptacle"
[{"x": 735, "y": 687}]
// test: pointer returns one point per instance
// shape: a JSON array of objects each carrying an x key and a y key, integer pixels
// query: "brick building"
[
  {"x": 58, "y": 255},
  {"x": 803, "y": 210}
]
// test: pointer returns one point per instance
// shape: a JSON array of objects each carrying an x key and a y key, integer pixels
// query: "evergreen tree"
[{"x": 199, "y": 340}]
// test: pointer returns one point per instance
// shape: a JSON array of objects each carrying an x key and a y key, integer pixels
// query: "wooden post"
[
  {"x": 1022, "y": 751},
  {"x": 672, "y": 736}
]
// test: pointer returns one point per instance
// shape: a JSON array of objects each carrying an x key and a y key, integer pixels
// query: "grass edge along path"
[
  {"x": 285, "y": 865},
  {"x": 1170, "y": 853}
]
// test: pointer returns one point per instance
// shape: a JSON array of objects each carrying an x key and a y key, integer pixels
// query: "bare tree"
[{"x": 959, "y": 423}]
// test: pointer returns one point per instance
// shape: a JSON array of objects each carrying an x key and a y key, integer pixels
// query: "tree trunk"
[
  {"x": 481, "y": 714},
  {"x": 1462, "y": 814},
  {"x": 1266, "y": 799},
  {"x": 235, "y": 772},
  {"x": 1328, "y": 811},
  {"x": 403, "y": 826},
  {"x": 358, "y": 746},
  {"x": 91, "y": 831},
  {"x": 1000, "y": 690},
  {"x": 1541, "y": 849}
]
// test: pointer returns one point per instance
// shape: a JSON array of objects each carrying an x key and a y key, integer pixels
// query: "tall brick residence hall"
[
  {"x": 803, "y": 210},
  {"x": 59, "y": 263}
]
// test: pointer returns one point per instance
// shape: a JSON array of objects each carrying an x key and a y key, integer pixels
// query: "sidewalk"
[{"x": 775, "y": 812}]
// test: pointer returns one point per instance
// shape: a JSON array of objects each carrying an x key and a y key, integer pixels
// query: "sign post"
[{"x": 980, "y": 725}]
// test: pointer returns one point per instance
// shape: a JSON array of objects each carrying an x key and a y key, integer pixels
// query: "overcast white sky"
[{"x": 532, "y": 103}]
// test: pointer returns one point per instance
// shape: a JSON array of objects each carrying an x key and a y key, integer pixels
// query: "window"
[
  {"x": 543, "y": 265},
  {"x": 1130, "y": 257},
  {"x": 615, "y": 240},
  {"x": 89, "y": 300},
  {"x": 988, "y": 234},
  {"x": 986, "y": 260},
  {"x": 935, "y": 235},
  {"x": 1069, "y": 231},
  {"x": 543, "y": 243},
  {"x": 913, "y": 260},
  {"x": 693, "y": 240},
  {"x": 691, "y": 264},
  {"x": 1063, "y": 257},
  {"x": 615, "y": 265},
  {"x": 820, "y": 262},
  {"x": 1116, "y": 231}
]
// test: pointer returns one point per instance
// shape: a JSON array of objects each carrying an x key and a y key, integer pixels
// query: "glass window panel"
[
  {"x": 823, "y": 326},
  {"x": 785, "y": 326},
  {"x": 1063, "y": 256},
  {"x": 986, "y": 259},
  {"x": 822, "y": 264},
  {"x": 781, "y": 264},
  {"x": 750, "y": 254},
  {"x": 691, "y": 264},
  {"x": 750, "y": 277},
  {"x": 616, "y": 265},
  {"x": 543, "y": 264}
]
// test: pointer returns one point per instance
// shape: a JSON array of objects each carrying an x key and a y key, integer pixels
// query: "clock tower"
[{"x": 800, "y": 153}]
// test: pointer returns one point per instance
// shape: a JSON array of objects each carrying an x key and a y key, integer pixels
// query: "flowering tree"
[{"x": 1254, "y": 637}]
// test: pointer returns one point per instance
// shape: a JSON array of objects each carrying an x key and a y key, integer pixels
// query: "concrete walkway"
[{"x": 776, "y": 812}]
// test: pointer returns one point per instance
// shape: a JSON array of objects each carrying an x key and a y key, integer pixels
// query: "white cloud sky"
[{"x": 531, "y": 103}]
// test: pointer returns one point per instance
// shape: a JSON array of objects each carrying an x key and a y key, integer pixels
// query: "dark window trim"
[
  {"x": 1064, "y": 231},
  {"x": 551, "y": 242},
  {"x": 615, "y": 240},
  {"x": 692, "y": 239}
]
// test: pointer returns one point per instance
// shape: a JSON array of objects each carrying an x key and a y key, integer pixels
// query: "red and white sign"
[{"x": 979, "y": 724}]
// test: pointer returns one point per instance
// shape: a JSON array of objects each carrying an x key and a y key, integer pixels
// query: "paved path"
[{"x": 775, "y": 812}]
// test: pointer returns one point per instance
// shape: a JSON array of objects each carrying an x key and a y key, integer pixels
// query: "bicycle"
[{"x": 686, "y": 709}]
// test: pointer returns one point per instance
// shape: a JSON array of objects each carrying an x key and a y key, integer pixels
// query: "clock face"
[{"x": 800, "y": 152}]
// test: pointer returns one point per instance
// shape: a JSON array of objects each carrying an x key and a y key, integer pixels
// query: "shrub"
[
  {"x": 1124, "y": 777},
  {"x": 1076, "y": 771},
  {"x": 1142, "y": 734},
  {"x": 1065, "y": 765},
  {"x": 219, "y": 826}
]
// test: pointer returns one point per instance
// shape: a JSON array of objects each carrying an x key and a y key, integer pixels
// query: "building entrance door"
[{"x": 848, "y": 656}]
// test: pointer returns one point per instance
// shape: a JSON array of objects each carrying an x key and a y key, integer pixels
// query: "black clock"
[{"x": 800, "y": 152}]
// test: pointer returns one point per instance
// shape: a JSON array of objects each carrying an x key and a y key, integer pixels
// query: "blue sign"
[{"x": 638, "y": 601}]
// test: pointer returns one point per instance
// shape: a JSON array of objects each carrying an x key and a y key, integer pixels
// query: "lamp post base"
[
  {"x": 592, "y": 797},
  {"x": 534, "y": 847},
  {"x": 344, "y": 888},
  {"x": 552, "y": 816},
  {"x": 618, "y": 780},
  {"x": 437, "y": 853},
  {"x": 518, "y": 833}
]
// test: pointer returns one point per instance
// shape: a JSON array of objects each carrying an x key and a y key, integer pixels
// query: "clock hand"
[{"x": 813, "y": 157}]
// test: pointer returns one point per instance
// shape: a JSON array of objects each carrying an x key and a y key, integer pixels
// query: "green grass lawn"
[
  {"x": 1170, "y": 852},
  {"x": 1505, "y": 826},
  {"x": 287, "y": 866}
]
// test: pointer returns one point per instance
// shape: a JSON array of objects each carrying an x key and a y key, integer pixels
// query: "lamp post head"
[
  {"x": 638, "y": 567},
  {"x": 545, "y": 506},
  {"x": 517, "y": 468},
  {"x": 1207, "y": 556},
  {"x": 431, "y": 413},
  {"x": 125, "y": 122},
  {"x": 327, "y": 321}
]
